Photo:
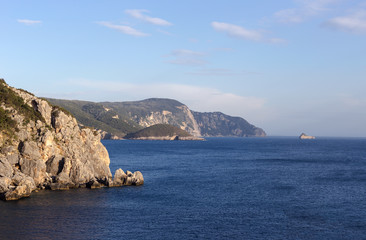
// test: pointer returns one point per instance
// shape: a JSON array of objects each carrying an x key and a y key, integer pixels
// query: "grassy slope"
[
  {"x": 94, "y": 115},
  {"x": 9, "y": 98}
]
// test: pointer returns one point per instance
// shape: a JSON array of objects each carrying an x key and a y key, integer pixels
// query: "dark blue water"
[{"x": 222, "y": 188}]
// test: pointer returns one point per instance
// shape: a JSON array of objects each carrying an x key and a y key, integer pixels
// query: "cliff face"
[
  {"x": 46, "y": 149},
  {"x": 154, "y": 111},
  {"x": 218, "y": 124}
]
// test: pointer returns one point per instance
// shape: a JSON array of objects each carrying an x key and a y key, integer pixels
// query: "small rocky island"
[
  {"x": 304, "y": 136},
  {"x": 43, "y": 147},
  {"x": 162, "y": 132}
]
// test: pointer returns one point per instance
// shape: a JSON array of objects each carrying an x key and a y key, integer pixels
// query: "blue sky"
[{"x": 287, "y": 66}]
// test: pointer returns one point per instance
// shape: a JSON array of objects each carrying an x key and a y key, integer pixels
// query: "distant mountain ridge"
[{"x": 116, "y": 119}]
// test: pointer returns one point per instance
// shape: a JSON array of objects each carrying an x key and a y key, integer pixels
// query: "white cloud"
[
  {"x": 29, "y": 22},
  {"x": 187, "y": 57},
  {"x": 124, "y": 29},
  {"x": 237, "y": 31},
  {"x": 305, "y": 10},
  {"x": 198, "y": 98},
  {"x": 138, "y": 14},
  {"x": 242, "y": 33},
  {"x": 355, "y": 23}
]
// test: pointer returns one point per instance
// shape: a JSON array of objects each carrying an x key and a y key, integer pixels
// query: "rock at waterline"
[
  {"x": 304, "y": 136},
  {"x": 43, "y": 147}
]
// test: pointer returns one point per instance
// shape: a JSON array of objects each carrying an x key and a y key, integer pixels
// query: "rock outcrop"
[
  {"x": 47, "y": 149},
  {"x": 128, "y": 178},
  {"x": 304, "y": 136}
]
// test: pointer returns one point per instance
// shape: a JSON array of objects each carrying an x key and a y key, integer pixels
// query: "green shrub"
[{"x": 10, "y": 99}]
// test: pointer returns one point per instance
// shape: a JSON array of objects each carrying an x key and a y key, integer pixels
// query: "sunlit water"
[{"x": 222, "y": 188}]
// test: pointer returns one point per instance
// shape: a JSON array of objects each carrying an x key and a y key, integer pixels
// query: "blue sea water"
[{"x": 222, "y": 188}]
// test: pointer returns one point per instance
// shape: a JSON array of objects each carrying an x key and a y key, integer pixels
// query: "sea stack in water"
[
  {"x": 43, "y": 147},
  {"x": 304, "y": 136}
]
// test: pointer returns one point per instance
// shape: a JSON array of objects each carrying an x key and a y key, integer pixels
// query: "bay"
[{"x": 222, "y": 188}]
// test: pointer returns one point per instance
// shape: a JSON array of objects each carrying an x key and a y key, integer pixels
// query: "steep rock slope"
[
  {"x": 42, "y": 147},
  {"x": 218, "y": 124},
  {"x": 153, "y": 111}
]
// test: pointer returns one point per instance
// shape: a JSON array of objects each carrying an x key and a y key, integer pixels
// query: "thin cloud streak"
[
  {"x": 28, "y": 22},
  {"x": 185, "y": 52},
  {"x": 187, "y": 57},
  {"x": 307, "y": 9},
  {"x": 220, "y": 72},
  {"x": 355, "y": 23},
  {"x": 124, "y": 29},
  {"x": 239, "y": 32},
  {"x": 138, "y": 14}
]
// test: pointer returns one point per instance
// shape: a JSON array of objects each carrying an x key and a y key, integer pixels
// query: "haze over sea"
[{"x": 222, "y": 188}]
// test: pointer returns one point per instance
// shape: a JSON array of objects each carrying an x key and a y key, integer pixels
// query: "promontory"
[{"x": 42, "y": 146}]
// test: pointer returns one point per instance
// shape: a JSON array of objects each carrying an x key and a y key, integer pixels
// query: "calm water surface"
[{"x": 222, "y": 188}]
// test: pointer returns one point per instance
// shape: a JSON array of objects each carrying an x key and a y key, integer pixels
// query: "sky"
[{"x": 287, "y": 66}]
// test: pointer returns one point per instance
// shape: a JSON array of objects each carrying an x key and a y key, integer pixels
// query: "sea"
[{"x": 221, "y": 188}]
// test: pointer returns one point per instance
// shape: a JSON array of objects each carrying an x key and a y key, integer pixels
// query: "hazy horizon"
[{"x": 286, "y": 66}]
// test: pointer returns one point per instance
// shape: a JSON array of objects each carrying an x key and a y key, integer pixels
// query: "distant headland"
[{"x": 115, "y": 120}]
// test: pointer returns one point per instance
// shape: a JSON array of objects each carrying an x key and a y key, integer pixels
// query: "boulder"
[
  {"x": 19, "y": 186},
  {"x": 128, "y": 178}
]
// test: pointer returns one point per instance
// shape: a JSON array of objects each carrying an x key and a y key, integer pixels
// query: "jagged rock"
[
  {"x": 34, "y": 168},
  {"x": 4, "y": 184},
  {"x": 48, "y": 150},
  {"x": 30, "y": 150},
  {"x": 119, "y": 177},
  {"x": 19, "y": 186},
  {"x": 137, "y": 178},
  {"x": 44, "y": 108},
  {"x": 5, "y": 168},
  {"x": 128, "y": 178}
]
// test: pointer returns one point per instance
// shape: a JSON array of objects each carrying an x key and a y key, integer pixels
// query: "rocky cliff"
[
  {"x": 217, "y": 124},
  {"x": 154, "y": 111},
  {"x": 43, "y": 147}
]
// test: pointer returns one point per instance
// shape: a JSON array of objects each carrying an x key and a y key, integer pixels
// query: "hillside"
[
  {"x": 217, "y": 124},
  {"x": 121, "y": 118},
  {"x": 153, "y": 111},
  {"x": 161, "y": 132},
  {"x": 98, "y": 116}
]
